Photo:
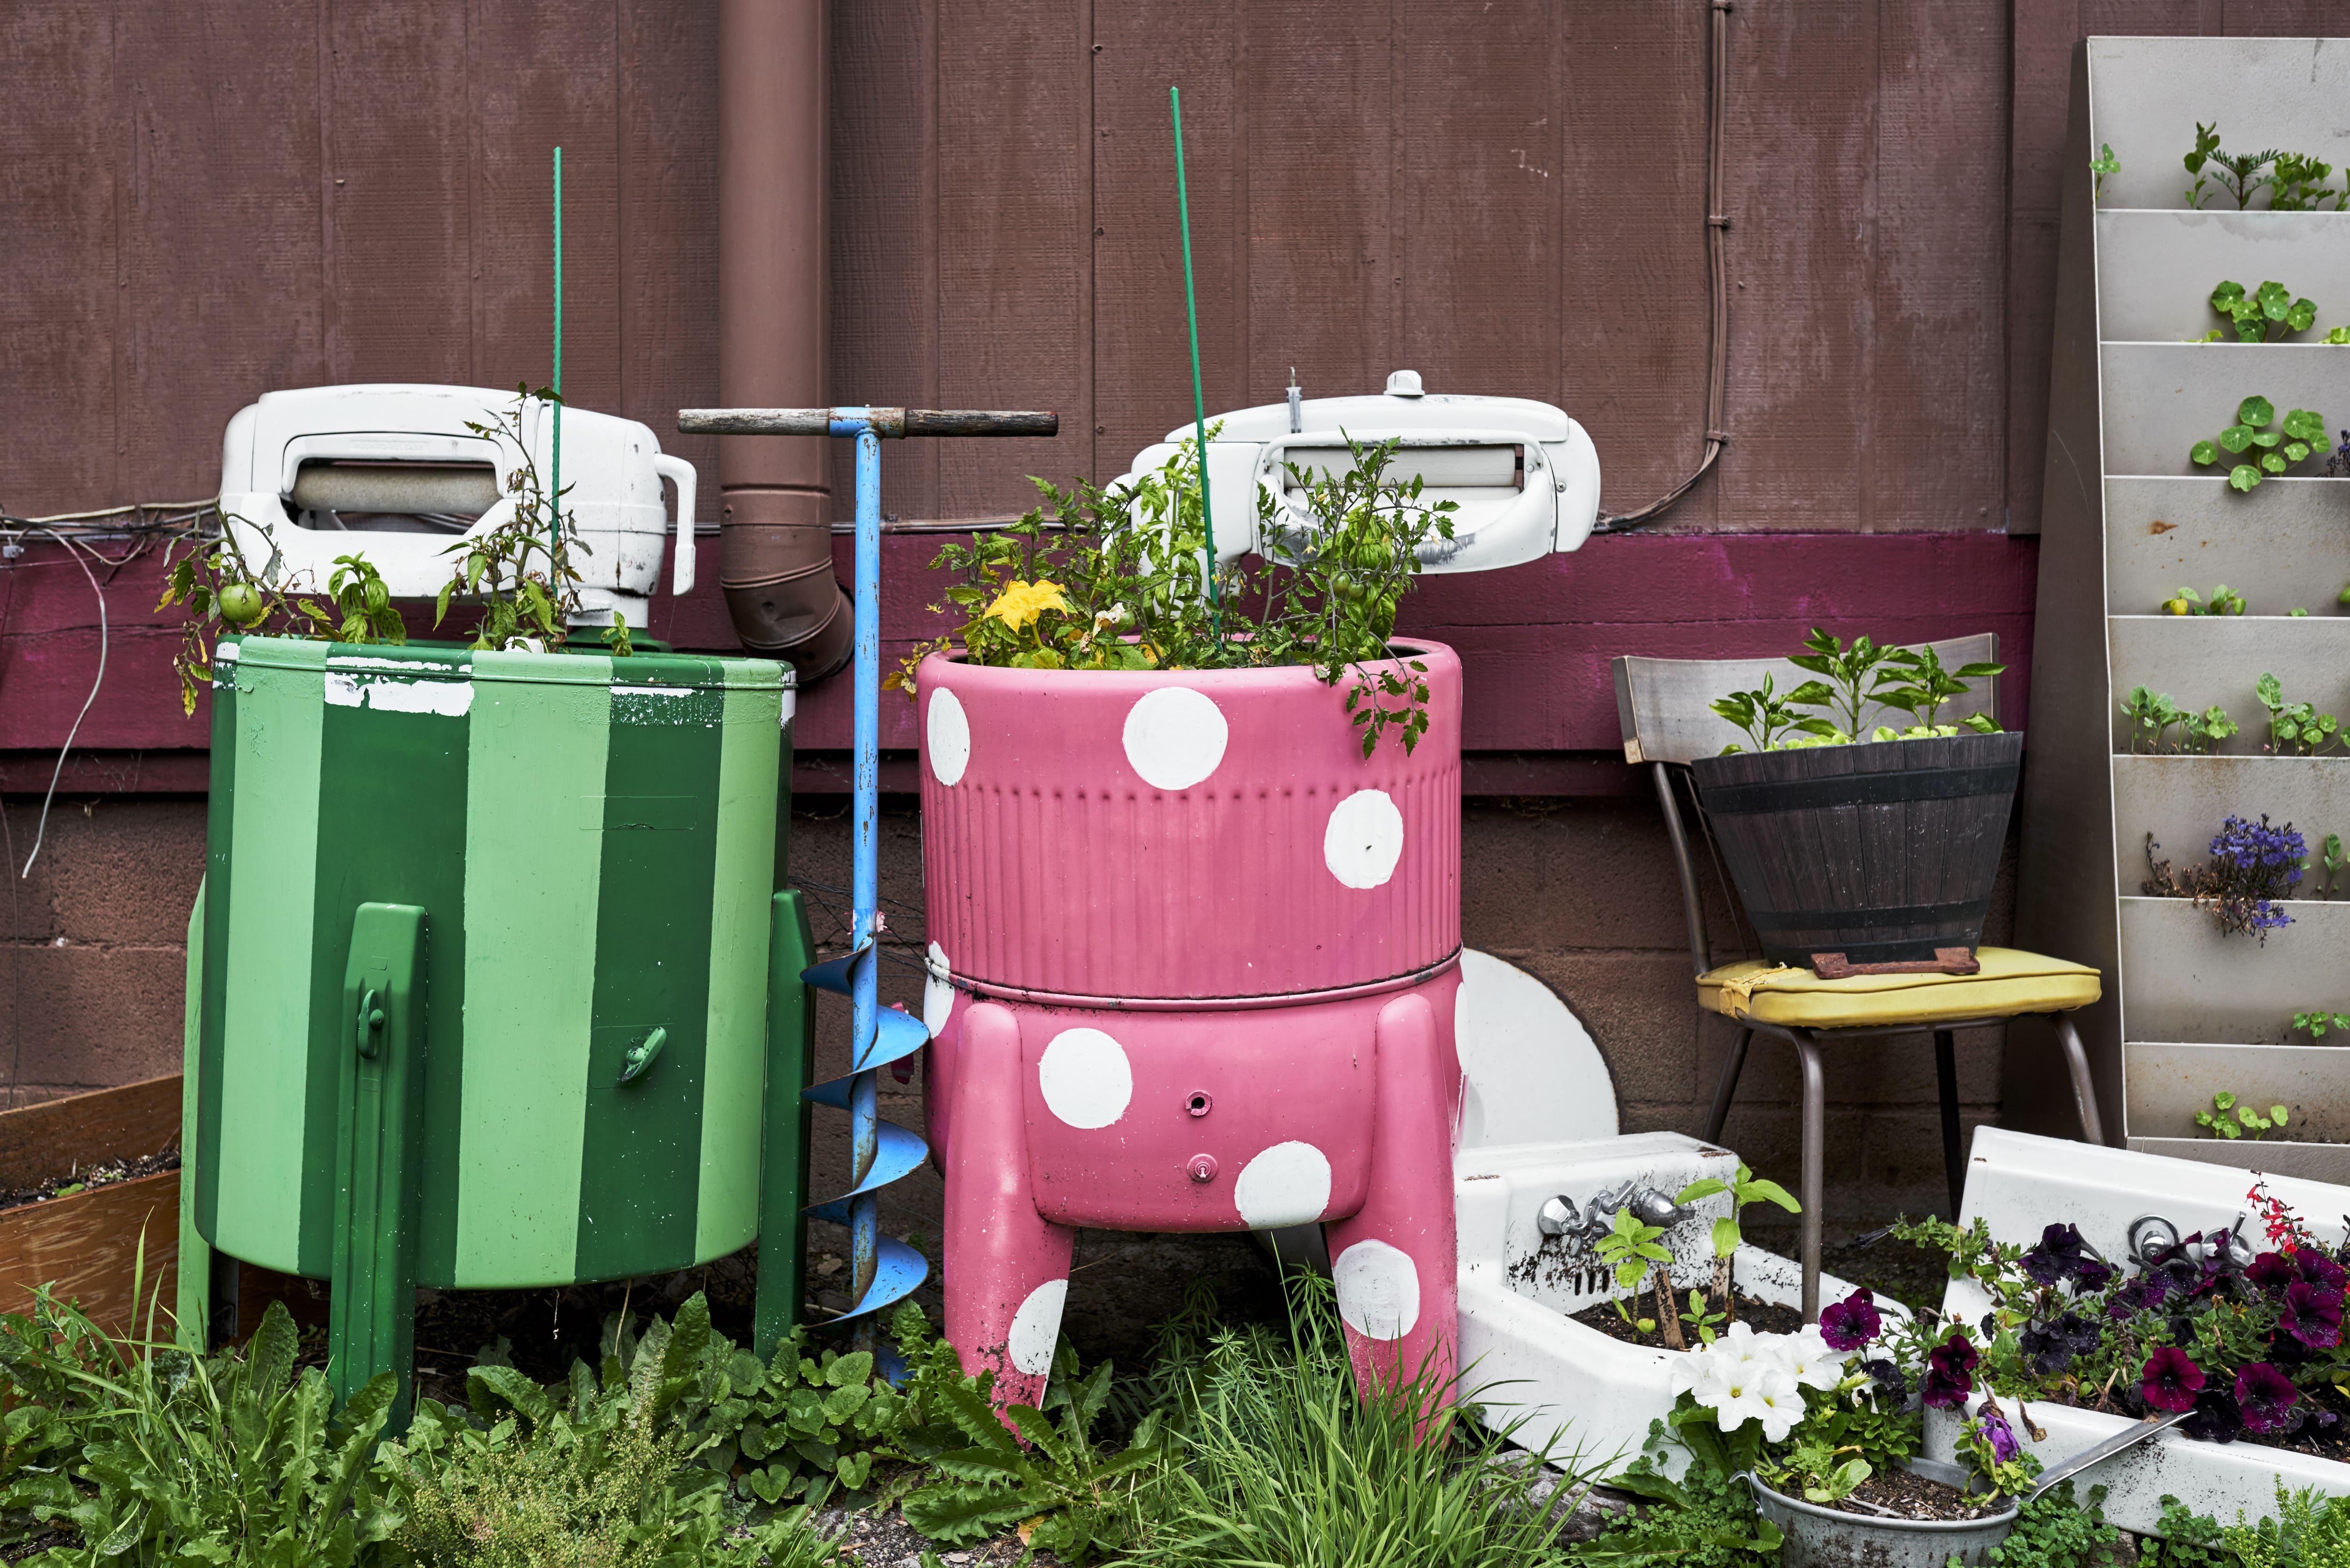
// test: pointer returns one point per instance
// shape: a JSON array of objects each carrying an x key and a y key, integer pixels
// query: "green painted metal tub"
[{"x": 594, "y": 842}]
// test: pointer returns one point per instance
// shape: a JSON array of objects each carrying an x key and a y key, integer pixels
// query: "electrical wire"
[
  {"x": 1717, "y": 226},
  {"x": 42, "y": 828}
]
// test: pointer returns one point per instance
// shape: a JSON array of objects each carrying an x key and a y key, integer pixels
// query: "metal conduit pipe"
[{"x": 774, "y": 542}]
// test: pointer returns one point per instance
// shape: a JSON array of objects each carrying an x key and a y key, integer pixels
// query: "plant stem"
[{"x": 1721, "y": 1292}]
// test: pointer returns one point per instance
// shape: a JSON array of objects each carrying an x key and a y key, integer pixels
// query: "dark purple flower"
[
  {"x": 1992, "y": 1428},
  {"x": 1950, "y": 1371},
  {"x": 2171, "y": 1379},
  {"x": 1852, "y": 1322},
  {"x": 1889, "y": 1376},
  {"x": 2217, "y": 1417},
  {"x": 2312, "y": 1315},
  {"x": 2053, "y": 1345},
  {"x": 2058, "y": 1255},
  {"x": 2267, "y": 1397},
  {"x": 2141, "y": 1294},
  {"x": 2315, "y": 1268},
  {"x": 2093, "y": 1275},
  {"x": 2271, "y": 1271}
]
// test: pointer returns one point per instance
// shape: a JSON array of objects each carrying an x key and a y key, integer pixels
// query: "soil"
[
  {"x": 2331, "y": 1442},
  {"x": 83, "y": 1178},
  {"x": 886, "y": 1541},
  {"x": 1764, "y": 1317},
  {"x": 1912, "y": 1496}
]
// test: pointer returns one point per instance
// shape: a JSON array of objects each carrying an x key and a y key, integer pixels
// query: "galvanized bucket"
[{"x": 1819, "y": 1537}]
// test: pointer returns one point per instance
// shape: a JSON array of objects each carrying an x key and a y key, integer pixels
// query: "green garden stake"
[
  {"x": 555, "y": 505},
  {"x": 1198, "y": 397}
]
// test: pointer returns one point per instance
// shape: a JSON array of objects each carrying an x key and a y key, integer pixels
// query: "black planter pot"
[{"x": 1883, "y": 852}]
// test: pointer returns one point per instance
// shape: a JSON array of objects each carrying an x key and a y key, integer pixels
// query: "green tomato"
[{"x": 240, "y": 604}]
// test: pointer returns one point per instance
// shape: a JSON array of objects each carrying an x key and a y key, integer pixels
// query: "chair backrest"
[{"x": 1665, "y": 706}]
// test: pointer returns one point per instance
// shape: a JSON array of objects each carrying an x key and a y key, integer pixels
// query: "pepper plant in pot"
[{"x": 1854, "y": 840}]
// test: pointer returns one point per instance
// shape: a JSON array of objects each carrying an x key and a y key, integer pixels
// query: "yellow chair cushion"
[{"x": 2010, "y": 983}]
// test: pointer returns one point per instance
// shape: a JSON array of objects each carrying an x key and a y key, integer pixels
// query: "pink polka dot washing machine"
[{"x": 1193, "y": 959}]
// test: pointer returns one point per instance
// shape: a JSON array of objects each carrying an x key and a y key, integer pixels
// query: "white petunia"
[
  {"x": 1753, "y": 1390},
  {"x": 1808, "y": 1357},
  {"x": 1778, "y": 1401}
]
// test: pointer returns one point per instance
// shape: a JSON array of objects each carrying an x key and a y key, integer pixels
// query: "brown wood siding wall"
[{"x": 207, "y": 202}]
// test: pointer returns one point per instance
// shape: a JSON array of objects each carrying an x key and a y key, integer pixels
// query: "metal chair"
[{"x": 1663, "y": 704}]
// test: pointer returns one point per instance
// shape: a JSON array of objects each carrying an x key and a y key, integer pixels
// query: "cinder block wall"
[{"x": 1579, "y": 892}]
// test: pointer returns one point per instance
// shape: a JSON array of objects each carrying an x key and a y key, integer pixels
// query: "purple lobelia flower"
[
  {"x": 2266, "y": 1397},
  {"x": 2312, "y": 1315},
  {"x": 1950, "y": 1371},
  {"x": 1992, "y": 1428},
  {"x": 1852, "y": 1322},
  {"x": 2253, "y": 867},
  {"x": 2171, "y": 1379}
]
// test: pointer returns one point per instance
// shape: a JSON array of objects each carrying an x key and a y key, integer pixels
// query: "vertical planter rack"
[{"x": 2127, "y": 520}]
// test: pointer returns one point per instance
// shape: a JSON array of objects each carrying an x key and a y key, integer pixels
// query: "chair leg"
[
  {"x": 1946, "y": 1078},
  {"x": 1727, "y": 1086},
  {"x": 1814, "y": 1194},
  {"x": 2084, "y": 1088}
]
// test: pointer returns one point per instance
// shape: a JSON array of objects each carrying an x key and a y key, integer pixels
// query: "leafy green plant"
[
  {"x": 2318, "y": 1020},
  {"x": 2184, "y": 1539},
  {"x": 2200, "y": 734},
  {"x": 2239, "y": 174},
  {"x": 2264, "y": 451},
  {"x": 1119, "y": 578},
  {"x": 521, "y": 570},
  {"x": 1705, "y": 1520},
  {"x": 1919, "y": 686},
  {"x": 2245, "y": 1120},
  {"x": 1766, "y": 716},
  {"x": 223, "y": 592},
  {"x": 2297, "y": 184},
  {"x": 1627, "y": 1251},
  {"x": 1280, "y": 1461},
  {"x": 2151, "y": 715},
  {"x": 1744, "y": 1189},
  {"x": 2269, "y": 314},
  {"x": 2056, "y": 1529},
  {"x": 2330, "y": 863},
  {"x": 2308, "y": 1528},
  {"x": 2295, "y": 729},
  {"x": 1852, "y": 674},
  {"x": 2103, "y": 164},
  {"x": 2224, "y": 600},
  {"x": 1703, "y": 1320}
]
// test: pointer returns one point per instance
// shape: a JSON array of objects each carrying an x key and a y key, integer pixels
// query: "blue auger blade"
[
  {"x": 898, "y": 1271},
  {"x": 832, "y": 974},
  {"x": 833, "y": 1092},
  {"x": 896, "y": 1036},
  {"x": 898, "y": 1150}
]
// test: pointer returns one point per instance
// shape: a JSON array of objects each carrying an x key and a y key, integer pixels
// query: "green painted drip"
[
  {"x": 264, "y": 1081},
  {"x": 727, "y": 1213},
  {"x": 205, "y": 1072},
  {"x": 192, "y": 1312},
  {"x": 391, "y": 830},
  {"x": 640, "y": 1186},
  {"x": 534, "y": 844}
]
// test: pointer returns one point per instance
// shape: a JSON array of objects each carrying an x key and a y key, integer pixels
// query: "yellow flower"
[{"x": 1020, "y": 603}]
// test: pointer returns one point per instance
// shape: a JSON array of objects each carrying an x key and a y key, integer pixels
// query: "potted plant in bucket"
[{"x": 1858, "y": 845}]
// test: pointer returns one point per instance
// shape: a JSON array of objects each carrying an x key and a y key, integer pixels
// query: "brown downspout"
[{"x": 775, "y": 541}]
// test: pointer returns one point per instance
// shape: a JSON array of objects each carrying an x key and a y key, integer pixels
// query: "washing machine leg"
[
  {"x": 1007, "y": 1267},
  {"x": 783, "y": 1161},
  {"x": 1395, "y": 1261}
]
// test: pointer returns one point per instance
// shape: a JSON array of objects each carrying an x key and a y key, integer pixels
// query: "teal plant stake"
[
  {"x": 1198, "y": 399},
  {"x": 555, "y": 520}
]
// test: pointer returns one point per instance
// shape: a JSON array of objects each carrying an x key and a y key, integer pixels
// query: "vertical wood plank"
[
  {"x": 886, "y": 237},
  {"x": 223, "y": 298},
  {"x": 1322, "y": 273},
  {"x": 61, "y": 151},
  {"x": 1631, "y": 277},
  {"x": 668, "y": 201},
  {"x": 1936, "y": 418},
  {"x": 1478, "y": 195},
  {"x": 1015, "y": 216},
  {"x": 1141, "y": 345},
  {"x": 1803, "y": 198},
  {"x": 542, "y": 74},
  {"x": 2040, "y": 79}
]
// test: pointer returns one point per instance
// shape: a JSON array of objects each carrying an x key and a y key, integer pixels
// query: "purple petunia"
[
  {"x": 2171, "y": 1379},
  {"x": 2093, "y": 1275},
  {"x": 2315, "y": 1268},
  {"x": 2052, "y": 1346},
  {"x": 1852, "y": 1322},
  {"x": 1950, "y": 1371},
  {"x": 2217, "y": 1418},
  {"x": 2141, "y": 1294},
  {"x": 2057, "y": 1257},
  {"x": 1992, "y": 1428},
  {"x": 1889, "y": 1376},
  {"x": 2312, "y": 1315},
  {"x": 2271, "y": 1271},
  {"x": 2266, "y": 1397}
]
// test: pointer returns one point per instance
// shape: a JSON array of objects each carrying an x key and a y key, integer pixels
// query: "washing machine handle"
[{"x": 681, "y": 472}]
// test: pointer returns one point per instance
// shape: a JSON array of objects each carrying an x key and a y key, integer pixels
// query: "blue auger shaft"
[{"x": 865, "y": 1210}]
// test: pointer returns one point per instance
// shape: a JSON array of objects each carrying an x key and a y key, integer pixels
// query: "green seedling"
[
  {"x": 2295, "y": 729},
  {"x": 2264, "y": 452},
  {"x": 2330, "y": 861},
  {"x": 2200, "y": 734},
  {"x": 2224, "y": 600},
  {"x": 1702, "y": 1321},
  {"x": 2103, "y": 164},
  {"x": 2151, "y": 715},
  {"x": 2239, "y": 174},
  {"x": 2297, "y": 184},
  {"x": 2244, "y": 1120},
  {"x": 2318, "y": 1020},
  {"x": 1852, "y": 673},
  {"x": 1744, "y": 1189},
  {"x": 1627, "y": 1251},
  {"x": 2267, "y": 314},
  {"x": 1765, "y": 715},
  {"x": 1918, "y": 685}
]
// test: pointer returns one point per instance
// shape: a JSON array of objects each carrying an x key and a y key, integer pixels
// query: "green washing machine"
[{"x": 494, "y": 981}]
